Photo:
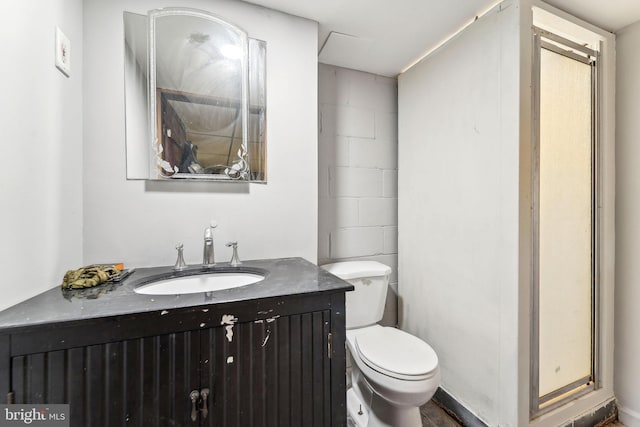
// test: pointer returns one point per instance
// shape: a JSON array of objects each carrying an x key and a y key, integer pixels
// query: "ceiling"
[{"x": 386, "y": 36}]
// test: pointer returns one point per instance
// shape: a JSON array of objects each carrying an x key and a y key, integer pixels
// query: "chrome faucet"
[{"x": 208, "y": 255}]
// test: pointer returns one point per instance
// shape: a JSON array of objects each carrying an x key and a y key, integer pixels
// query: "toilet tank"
[{"x": 365, "y": 304}]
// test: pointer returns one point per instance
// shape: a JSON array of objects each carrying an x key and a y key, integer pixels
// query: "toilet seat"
[{"x": 396, "y": 354}]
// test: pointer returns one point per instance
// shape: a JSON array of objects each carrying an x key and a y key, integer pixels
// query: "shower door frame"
[{"x": 539, "y": 405}]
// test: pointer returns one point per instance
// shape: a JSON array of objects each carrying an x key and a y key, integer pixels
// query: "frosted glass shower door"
[{"x": 565, "y": 221}]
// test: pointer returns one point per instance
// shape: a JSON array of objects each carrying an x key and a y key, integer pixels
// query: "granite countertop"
[{"x": 283, "y": 277}]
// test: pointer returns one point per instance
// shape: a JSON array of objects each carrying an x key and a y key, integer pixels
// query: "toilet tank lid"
[{"x": 352, "y": 269}]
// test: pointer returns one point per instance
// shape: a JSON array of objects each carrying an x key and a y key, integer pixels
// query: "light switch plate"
[{"x": 63, "y": 52}]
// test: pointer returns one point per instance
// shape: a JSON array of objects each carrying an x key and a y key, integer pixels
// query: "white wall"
[
  {"x": 139, "y": 223},
  {"x": 458, "y": 211},
  {"x": 358, "y": 171},
  {"x": 41, "y": 121},
  {"x": 627, "y": 340}
]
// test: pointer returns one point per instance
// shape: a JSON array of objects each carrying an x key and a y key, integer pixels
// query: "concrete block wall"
[{"x": 358, "y": 171}]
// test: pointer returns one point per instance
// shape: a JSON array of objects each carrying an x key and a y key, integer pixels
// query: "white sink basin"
[{"x": 199, "y": 283}]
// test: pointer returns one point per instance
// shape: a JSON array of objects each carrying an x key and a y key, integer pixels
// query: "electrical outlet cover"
[{"x": 63, "y": 52}]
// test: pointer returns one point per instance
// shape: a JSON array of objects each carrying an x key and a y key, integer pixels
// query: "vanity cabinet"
[{"x": 276, "y": 362}]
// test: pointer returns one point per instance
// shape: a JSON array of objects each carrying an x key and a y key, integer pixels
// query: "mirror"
[{"x": 204, "y": 83}]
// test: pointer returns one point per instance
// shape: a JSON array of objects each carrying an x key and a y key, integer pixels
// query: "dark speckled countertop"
[{"x": 283, "y": 277}]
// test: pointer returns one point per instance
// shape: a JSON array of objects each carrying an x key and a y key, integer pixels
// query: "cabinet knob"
[{"x": 194, "y": 396}]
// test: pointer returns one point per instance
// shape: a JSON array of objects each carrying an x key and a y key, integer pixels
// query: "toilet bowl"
[{"x": 393, "y": 373}]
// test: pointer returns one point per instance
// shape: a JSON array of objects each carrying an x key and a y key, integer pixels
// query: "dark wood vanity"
[{"x": 269, "y": 354}]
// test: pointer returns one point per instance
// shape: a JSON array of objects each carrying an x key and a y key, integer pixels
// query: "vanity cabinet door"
[
  {"x": 269, "y": 373},
  {"x": 139, "y": 382}
]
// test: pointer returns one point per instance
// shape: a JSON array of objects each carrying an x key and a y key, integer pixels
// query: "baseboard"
[
  {"x": 603, "y": 415},
  {"x": 457, "y": 410},
  {"x": 628, "y": 417},
  {"x": 606, "y": 413}
]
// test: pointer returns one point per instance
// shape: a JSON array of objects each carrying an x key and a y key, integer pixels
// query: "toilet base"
[
  {"x": 381, "y": 413},
  {"x": 357, "y": 414}
]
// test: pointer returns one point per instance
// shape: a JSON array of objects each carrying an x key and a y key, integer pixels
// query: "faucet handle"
[
  {"x": 208, "y": 232},
  {"x": 180, "y": 264},
  {"x": 235, "y": 260}
]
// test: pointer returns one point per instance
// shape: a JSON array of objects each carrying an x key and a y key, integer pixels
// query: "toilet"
[{"x": 393, "y": 373}]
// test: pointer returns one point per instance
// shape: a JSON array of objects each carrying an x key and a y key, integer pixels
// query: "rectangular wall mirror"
[{"x": 195, "y": 98}]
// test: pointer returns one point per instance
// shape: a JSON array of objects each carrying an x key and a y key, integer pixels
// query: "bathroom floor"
[{"x": 435, "y": 416}]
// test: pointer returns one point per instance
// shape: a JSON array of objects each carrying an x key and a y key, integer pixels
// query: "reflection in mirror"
[
  {"x": 198, "y": 68},
  {"x": 207, "y": 100}
]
